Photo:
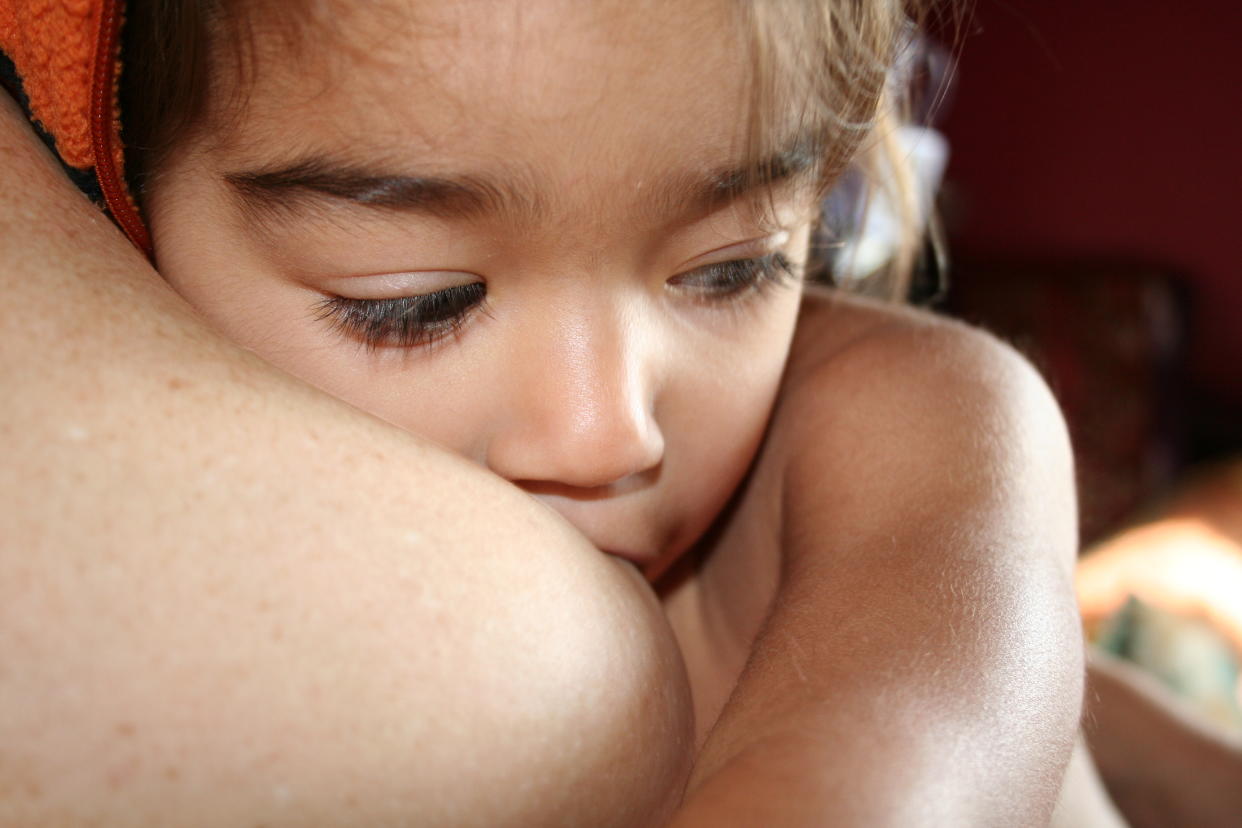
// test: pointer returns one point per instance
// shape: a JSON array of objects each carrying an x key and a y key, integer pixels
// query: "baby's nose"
[{"x": 579, "y": 410}]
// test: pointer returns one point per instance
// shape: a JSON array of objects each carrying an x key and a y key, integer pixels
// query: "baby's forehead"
[
  {"x": 451, "y": 41},
  {"x": 313, "y": 185},
  {"x": 582, "y": 97},
  {"x": 445, "y": 65}
]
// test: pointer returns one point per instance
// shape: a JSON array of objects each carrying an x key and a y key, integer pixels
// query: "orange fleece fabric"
[
  {"x": 52, "y": 44},
  {"x": 71, "y": 90}
]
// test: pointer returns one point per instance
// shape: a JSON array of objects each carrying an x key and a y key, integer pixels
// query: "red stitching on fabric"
[{"x": 102, "y": 120}]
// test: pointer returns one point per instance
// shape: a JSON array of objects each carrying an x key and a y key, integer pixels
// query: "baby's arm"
[
  {"x": 921, "y": 663},
  {"x": 227, "y": 599}
]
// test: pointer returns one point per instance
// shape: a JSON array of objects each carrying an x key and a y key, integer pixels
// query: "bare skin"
[
  {"x": 879, "y": 631},
  {"x": 1163, "y": 765},
  {"x": 853, "y": 627},
  {"x": 228, "y": 598}
]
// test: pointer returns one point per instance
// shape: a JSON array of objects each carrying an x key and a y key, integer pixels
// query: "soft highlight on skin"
[
  {"x": 613, "y": 314},
  {"x": 625, "y": 382},
  {"x": 818, "y": 72}
]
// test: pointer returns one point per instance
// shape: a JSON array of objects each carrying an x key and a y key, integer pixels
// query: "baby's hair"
[
  {"x": 822, "y": 69},
  {"x": 831, "y": 66}
]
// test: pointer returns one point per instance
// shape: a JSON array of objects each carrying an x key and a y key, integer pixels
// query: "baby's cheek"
[{"x": 715, "y": 448}]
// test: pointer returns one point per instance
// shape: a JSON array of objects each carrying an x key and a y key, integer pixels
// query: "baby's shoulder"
[
  {"x": 888, "y": 411},
  {"x": 852, "y": 343},
  {"x": 861, "y": 367},
  {"x": 840, "y": 329}
]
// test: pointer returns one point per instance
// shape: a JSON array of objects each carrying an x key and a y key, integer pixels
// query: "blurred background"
[{"x": 1092, "y": 208}]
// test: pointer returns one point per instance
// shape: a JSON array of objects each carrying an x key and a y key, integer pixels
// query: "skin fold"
[
  {"x": 370, "y": 584},
  {"x": 227, "y": 647}
]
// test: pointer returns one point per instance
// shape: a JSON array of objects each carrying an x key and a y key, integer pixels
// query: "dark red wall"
[{"x": 1109, "y": 129}]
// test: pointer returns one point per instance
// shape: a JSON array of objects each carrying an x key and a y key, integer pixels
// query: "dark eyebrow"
[
  {"x": 311, "y": 182},
  {"x": 798, "y": 159},
  {"x": 315, "y": 182}
]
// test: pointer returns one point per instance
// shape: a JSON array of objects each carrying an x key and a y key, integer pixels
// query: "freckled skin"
[
  {"x": 894, "y": 558},
  {"x": 634, "y": 414},
  {"x": 143, "y": 571},
  {"x": 587, "y": 379}
]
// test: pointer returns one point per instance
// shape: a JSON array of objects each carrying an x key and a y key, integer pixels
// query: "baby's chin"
[
  {"x": 655, "y": 563},
  {"x": 651, "y": 562},
  {"x": 676, "y": 554}
]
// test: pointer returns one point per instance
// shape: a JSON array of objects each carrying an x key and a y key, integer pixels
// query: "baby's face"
[{"x": 507, "y": 226}]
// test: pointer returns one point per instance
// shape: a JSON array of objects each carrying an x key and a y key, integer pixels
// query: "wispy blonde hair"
[{"x": 827, "y": 69}]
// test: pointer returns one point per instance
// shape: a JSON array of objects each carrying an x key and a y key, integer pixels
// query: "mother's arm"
[
  {"x": 921, "y": 663},
  {"x": 227, "y": 598}
]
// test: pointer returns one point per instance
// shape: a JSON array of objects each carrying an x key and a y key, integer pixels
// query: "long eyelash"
[
  {"x": 406, "y": 321},
  {"x": 744, "y": 277}
]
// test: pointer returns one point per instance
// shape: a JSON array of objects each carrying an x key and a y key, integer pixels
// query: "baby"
[{"x": 565, "y": 241}]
